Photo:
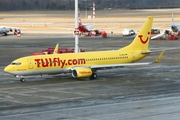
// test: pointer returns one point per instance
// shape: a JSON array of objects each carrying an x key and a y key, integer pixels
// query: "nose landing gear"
[{"x": 21, "y": 78}]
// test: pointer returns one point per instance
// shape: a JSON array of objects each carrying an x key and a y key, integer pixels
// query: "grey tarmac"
[{"x": 132, "y": 93}]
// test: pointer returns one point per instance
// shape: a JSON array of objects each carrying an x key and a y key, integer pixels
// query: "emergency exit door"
[{"x": 133, "y": 57}]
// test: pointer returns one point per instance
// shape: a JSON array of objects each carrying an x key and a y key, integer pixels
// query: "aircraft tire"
[
  {"x": 22, "y": 80},
  {"x": 93, "y": 76}
]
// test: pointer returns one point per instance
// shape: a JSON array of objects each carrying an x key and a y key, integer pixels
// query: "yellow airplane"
[{"x": 85, "y": 64}]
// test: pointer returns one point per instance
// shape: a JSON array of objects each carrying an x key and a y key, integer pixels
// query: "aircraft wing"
[
  {"x": 158, "y": 59},
  {"x": 88, "y": 26},
  {"x": 117, "y": 65},
  {"x": 159, "y": 36},
  {"x": 69, "y": 29}
]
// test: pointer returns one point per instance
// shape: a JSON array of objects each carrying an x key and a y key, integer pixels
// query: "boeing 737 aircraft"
[
  {"x": 85, "y": 64},
  {"x": 175, "y": 27}
]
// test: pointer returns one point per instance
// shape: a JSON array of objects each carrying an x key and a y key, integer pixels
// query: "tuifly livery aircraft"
[{"x": 86, "y": 64}]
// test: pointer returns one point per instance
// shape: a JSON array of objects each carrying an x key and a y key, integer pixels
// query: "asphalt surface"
[{"x": 132, "y": 93}]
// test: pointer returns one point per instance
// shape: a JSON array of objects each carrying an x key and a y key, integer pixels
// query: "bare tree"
[{"x": 69, "y": 4}]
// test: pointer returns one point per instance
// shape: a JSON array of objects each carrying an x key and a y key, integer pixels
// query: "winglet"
[
  {"x": 56, "y": 49},
  {"x": 159, "y": 57}
]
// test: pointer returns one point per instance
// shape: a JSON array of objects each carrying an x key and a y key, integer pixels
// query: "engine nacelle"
[{"x": 81, "y": 72}]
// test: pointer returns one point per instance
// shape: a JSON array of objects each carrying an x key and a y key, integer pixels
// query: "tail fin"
[
  {"x": 141, "y": 41},
  {"x": 79, "y": 17},
  {"x": 56, "y": 49}
]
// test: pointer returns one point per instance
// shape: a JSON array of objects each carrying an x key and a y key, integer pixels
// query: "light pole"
[
  {"x": 85, "y": 3},
  {"x": 76, "y": 28},
  {"x": 86, "y": 10}
]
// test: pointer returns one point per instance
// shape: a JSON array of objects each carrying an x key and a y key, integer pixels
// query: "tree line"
[{"x": 9, "y": 5}]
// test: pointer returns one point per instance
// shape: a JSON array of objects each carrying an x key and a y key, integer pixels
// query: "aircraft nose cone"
[{"x": 6, "y": 69}]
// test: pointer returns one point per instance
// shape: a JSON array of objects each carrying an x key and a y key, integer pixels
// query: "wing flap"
[{"x": 118, "y": 65}]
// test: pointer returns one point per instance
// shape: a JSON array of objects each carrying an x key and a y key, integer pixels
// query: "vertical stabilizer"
[
  {"x": 79, "y": 17},
  {"x": 56, "y": 49},
  {"x": 141, "y": 41}
]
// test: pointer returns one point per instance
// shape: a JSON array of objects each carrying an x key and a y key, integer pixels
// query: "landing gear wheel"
[
  {"x": 22, "y": 79},
  {"x": 93, "y": 76}
]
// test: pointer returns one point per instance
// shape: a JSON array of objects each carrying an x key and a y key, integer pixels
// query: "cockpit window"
[{"x": 16, "y": 63}]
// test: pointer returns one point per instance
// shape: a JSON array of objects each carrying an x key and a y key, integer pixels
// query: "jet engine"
[{"x": 81, "y": 72}]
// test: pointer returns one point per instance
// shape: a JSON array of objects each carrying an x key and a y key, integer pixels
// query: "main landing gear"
[
  {"x": 22, "y": 79},
  {"x": 93, "y": 76},
  {"x": 5, "y": 34}
]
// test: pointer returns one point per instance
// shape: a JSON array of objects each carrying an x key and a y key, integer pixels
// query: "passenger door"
[{"x": 30, "y": 63}]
